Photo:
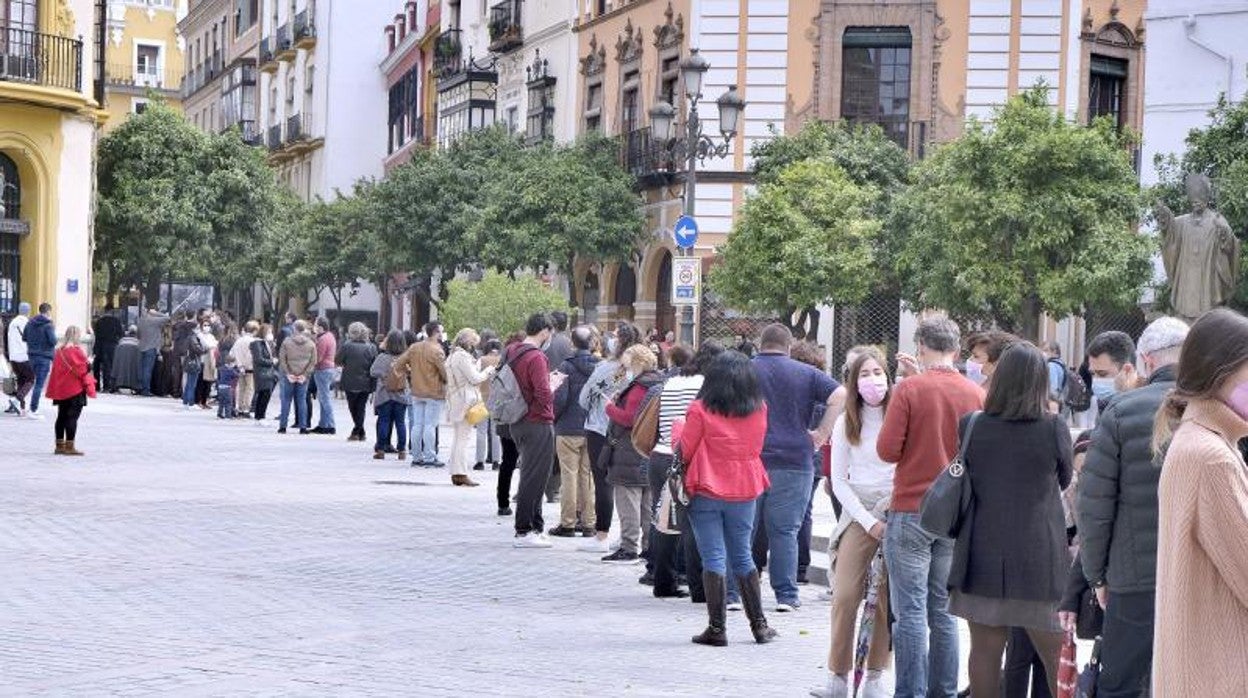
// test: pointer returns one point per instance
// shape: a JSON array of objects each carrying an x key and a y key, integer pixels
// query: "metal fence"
[
  {"x": 723, "y": 324},
  {"x": 1098, "y": 320},
  {"x": 876, "y": 322}
]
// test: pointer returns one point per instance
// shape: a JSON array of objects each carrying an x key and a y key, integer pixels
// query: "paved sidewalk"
[{"x": 192, "y": 557}]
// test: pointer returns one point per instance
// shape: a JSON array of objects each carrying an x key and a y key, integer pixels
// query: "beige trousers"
[
  {"x": 463, "y": 437},
  {"x": 246, "y": 391},
  {"x": 853, "y": 562},
  {"x": 576, "y": 482}
]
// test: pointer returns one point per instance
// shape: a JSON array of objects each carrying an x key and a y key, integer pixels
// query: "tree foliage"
[
  {"x": 807, "y": 238},
  {"x": 865, "y": 154},
  {"x": 1034, "y": 214},
  {"x": 497, "y": 302},
  {"x": 1219, "y": 150}
]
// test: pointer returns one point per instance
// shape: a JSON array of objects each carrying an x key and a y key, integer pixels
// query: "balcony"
[
  {"x": 248, "y": 131},
  {"x": 285, "y": 43},
  {"x": 40, "y": 59},
  {"x": 268, "y": 60},
  {"x": 295, "y": 130},
  {"x": 140, "y": 78},
  {"x": 305, "y": 30},
  {"x": 448, "y": 53},
  {"x": 506, "y": 32},
  {"x": 645, "y": 158},
  {"x": 274, "y": 140}
]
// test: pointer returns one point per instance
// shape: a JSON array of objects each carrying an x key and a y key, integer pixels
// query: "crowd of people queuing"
[{"x": 1110, "y": 499}]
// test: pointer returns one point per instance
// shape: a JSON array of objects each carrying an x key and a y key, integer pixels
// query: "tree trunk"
[
  {"x": 812, "y": 334},
  {"x": 1028, "y": 326}
]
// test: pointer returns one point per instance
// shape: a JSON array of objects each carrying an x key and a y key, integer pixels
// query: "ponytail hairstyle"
[
  {"x": 1215, "y": 349},
  {"x": 853, "y": 401}
]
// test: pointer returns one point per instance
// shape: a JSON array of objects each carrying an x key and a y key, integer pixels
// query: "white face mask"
[{"x": 268, "y": 337}]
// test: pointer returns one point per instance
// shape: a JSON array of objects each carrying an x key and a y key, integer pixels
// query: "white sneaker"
[
  {"x": 874, "y": 686},
  {"x": 595, "y": 545},
  {"x": 36, "y": 416},
  {"x": 188, "y": 408},
  {"x": 836, "y": 687},
  {"x": 786, "y": 607},
  {"x": 532, "y": 540}
]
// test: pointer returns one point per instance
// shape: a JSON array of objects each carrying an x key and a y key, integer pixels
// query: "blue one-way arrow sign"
[{"x": 685, "y": 232}]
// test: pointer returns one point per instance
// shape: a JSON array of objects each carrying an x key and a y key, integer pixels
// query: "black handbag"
[
  {"x": 949, "y": 501},
  {"x": 1090, "y": 618}
]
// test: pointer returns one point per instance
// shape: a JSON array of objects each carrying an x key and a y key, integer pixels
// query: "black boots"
[
  {"x": 752, "y": 602},
  {"x": 716, "y": 609}
]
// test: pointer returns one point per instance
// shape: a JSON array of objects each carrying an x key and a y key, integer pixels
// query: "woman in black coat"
[
  {"x": 355, "y": 358},
  {"x": 1016, "y": 558}
]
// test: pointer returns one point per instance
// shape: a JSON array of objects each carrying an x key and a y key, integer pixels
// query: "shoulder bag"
[
  {"x": 646, "y": 427},
  {"x": 949, "y": 501}
]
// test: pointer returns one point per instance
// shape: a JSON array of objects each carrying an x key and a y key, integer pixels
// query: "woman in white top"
[
  {"x": 864, "y": 485},
  {"x": 463, "y": 380}
]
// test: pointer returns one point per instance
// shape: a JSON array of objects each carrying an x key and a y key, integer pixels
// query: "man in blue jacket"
[{"x": 40, "y": 337}]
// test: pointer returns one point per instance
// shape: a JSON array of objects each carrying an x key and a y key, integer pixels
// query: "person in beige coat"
[
  {"x": 463, "y": 380},
  {"x": 1201, "y": 641}
]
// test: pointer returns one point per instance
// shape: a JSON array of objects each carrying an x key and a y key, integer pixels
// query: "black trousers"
[
  {"x": 604, "y": 499},
  {"x": 506, "y": 468},
  {"x": 1127, "y": 646},
  {"x": 1023, "y": 668},
  {"x": 357, "y": 403},
  {"x": 102, "y": 368},
  {"x": 693, "y": 560},
  {"x": 202, "y": 390},
  {"x": 66, "y": 426},
  {"x": 536, "y": 443},
  {"x": 260, "y": 404},
  {"x": 662, "y": 548}
]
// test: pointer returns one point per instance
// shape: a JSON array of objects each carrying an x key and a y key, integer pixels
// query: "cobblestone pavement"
[{"x": 193, "y": 557}]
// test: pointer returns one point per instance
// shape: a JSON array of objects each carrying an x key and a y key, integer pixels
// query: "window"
[
  {"x": 147, "y": 65},
  {"x": 593, "y": 106},
  {"x": 139, "y": 106},
  {"x": 246, "y": 13},
  {"x": 404, "y": 109},
  {"x": 20, "y": 14},
  {"x": 11, "y": 231},
  {"x": 11, "y": 189},
  {"x": 540, "y": 121},
  {"x": 1106, "y": 85},
  {"x": 669, "y": 79},
  {"x": 238, "y": 100},
  {"x": 512, "y": 119},
  {"x": 875, "y": 84},
  {"x": 290, "y": 95},
  {"x": 630, "y": 105}
]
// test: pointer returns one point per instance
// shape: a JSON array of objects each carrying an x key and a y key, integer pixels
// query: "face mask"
[
  {"x": 611, "y": 344},
  {"x": 1103, "y": 388},
  {"x": 975, "y": 371},
  {"x": 207, "y": 329},
  {"x": 1238, "y": 400},
  {"x": 268, "y": 337},
  {"x": 873, "y": 390}
]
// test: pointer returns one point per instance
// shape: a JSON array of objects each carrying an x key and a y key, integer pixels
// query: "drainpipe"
[{"x": 1189, "y": 28}]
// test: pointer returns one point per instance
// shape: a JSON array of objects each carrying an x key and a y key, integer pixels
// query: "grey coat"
[{"x": 1118, "y": 491}]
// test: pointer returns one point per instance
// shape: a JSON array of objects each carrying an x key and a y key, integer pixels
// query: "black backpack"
[{"x": 1073, "y": 393}]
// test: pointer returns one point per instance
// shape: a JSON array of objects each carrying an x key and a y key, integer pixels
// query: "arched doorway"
[
  {"x": 664, "y": 311},
  {"x": 625, "y": 292},
  {"x": 12, "y": 228},
  {"x": 590, "y": 295}
]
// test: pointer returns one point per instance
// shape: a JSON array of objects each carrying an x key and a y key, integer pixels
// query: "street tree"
[
  {"x": 862, "y": 150},
  {"x": 498, "y": 302},
  {"x": 338, "y": 245},
  {"x": 808, "y": 237},
  {"x": 1033, "y": 214}
]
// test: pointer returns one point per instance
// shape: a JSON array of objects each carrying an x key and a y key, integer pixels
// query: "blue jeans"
[
  {"x": 723, "y": 531},
  {"x": 425, "y": 413},
  {"x": 41, "y": 367},
  {"x": 147, "y": 365},
  {"x": 390, "y": 416},
  {"x": 297, "y": 393},
  {"x": 781, "y": 509},
  {"x": 324, "y": 378},
  {"x": 189, "y": 382},
  {"x": 918, "y": 570}
]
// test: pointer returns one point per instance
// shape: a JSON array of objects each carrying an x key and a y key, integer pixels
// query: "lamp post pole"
[{"x": 688, "y": 321}]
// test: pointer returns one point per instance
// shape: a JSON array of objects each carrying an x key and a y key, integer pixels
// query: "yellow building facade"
[
  {"x": 50, "y": 98},
  {"x": 143, "y": 56}
]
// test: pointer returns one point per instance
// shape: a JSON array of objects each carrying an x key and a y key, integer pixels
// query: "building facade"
[
  {"x": 51, "y": 105},
  {"x": 143, "y": 56},
  {"x": 220, "y": 90}
]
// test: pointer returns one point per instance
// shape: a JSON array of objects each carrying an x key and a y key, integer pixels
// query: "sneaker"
[
  {"x": 188, "y": 408},
  {"x": 36, "y": 416},
  {"x": 647, "y": 579},
  {"x": 789, "y": 607},
  {"x": 532, "y": 540},
  {"x": 435, "y": 464},
  {"x": 505, "y": 511},
  {"x": 837, "y": 686},
  {"x": 479, "y": 466},
  {"x": 734, "y": 606},
  {"x": 874, "y": 686},
  {"x": 562, "y": 532},
  {"x": 493, "y": 466},
  {"x": 621, "y": 557},
  {"x": 595, "y": 545},
  {"x": 281, "y": 430}
]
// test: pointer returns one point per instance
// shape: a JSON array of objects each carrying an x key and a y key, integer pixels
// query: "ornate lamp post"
[{"x": 695, "y": 146}]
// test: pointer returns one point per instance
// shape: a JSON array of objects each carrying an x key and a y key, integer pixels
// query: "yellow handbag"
[{"x": 476, "y": 414}]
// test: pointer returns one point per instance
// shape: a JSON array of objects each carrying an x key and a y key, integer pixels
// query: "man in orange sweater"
[{"x": 920, "y": 435}]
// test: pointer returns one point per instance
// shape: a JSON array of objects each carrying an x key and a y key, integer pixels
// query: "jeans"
[
  {"x": 425, "y": 413},
  {"x": 147, "y": 366},
  {"x": 489, "y": 446},
  {"x": 41, "y": 366},
  {"x": 298, "y": 394},
  {"x": 722, "y": 530},
  {"x": 390, "y": 416},
  {"x": 918, "y": 570},
  {"x": 781, "y": 509},
  {"x": 225, "y": 403},
  {"x": 536, "y": 443},
  {"x": 190, "y": 382},
  {"x": 324, "y": 377},
  {"x": 1127, "y": 645}
]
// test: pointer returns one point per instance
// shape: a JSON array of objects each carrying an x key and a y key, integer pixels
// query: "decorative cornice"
[
  {"x": 630, "y": 45},
  {"x": 672, "y": 33},
  {"x": 596, "y": 61}
]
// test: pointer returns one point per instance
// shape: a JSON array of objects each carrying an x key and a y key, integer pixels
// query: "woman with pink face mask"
[{"x": 864, "y": 485}]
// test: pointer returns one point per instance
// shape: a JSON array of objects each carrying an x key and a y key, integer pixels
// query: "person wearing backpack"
[
  {"x": 192, "y": 367},
  {"x": 390, "y": 399},
  {"x": 525, "y": 376},
  {"x": 575, "y": 472}
]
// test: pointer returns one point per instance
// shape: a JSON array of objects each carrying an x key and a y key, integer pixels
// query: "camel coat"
[{"x": 1201, "y": 633}]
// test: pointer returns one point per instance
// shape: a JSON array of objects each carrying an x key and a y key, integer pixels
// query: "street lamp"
[{"x": 695, "y": 146}]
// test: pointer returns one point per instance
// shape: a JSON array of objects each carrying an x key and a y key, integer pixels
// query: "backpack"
[
  {"x": 395, "y": 382},
  {"x": 507, "y": 404},
  {"x": 1074, "y": 392}
]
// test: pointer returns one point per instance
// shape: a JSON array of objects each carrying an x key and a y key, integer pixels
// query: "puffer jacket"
[
  {"x": 356, "y": 359},
  {"x": 1118, "y": 491},
  {"x": 40, "y": 338},
  {"x": 569, "y": 415}
]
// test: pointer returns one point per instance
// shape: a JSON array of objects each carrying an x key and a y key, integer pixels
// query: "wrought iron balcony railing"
[{"x": 40, "y": 59}]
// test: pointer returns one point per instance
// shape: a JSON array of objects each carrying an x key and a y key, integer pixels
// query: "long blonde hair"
[{"x": 73, "y": 335}]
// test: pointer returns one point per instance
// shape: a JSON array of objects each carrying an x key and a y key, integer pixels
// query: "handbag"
[
  {"x": 1090, "y": 618},
  {"x": 646, "y": 427},
  {"x": 676, "y": 478},
  {"x": 948, "y": 502},
  {"x": 1091, "y": 673},
  {"x": 1068, "y": 668},
  {"x": 476, "y": 414}
]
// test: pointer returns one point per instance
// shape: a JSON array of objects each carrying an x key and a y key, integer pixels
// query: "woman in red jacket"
[
  {"x": 721, "y": 443},
  {"x": 69, "y": 386}
]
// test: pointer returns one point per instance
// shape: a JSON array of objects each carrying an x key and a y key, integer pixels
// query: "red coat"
[
  {"x": 71, "y": 375},
  {"x": 723, "y": 454}
]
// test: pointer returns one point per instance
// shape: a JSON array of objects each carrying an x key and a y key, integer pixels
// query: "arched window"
[{"x": 10, "y": 189}]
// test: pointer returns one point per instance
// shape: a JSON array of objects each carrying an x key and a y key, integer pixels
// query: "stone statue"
[{"x": 1200, "y": 253}]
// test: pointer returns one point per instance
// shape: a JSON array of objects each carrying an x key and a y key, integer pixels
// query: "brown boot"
[
  {"x": 71, "y": 451},
  {"x": 379, "y": 455},
  {"x": 716, "y": 610},
  {"x": 462, "y": 481},
  {"x": 752, "y": 602},
  {"x": 60, "y": 448}
]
